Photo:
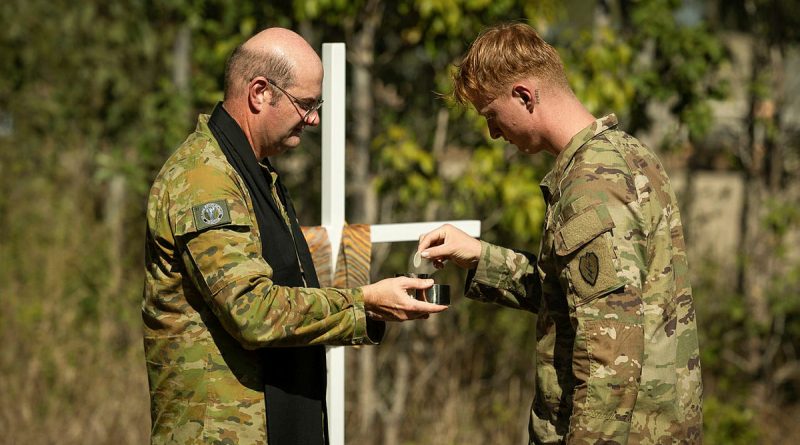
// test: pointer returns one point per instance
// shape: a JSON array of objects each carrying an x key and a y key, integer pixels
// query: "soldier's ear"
[
  {"x": 526, "y": 96},
  {"x": 258, "y": 93}
]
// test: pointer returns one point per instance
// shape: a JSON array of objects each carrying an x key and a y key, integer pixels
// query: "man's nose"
[{"x": 313, "y": 119}]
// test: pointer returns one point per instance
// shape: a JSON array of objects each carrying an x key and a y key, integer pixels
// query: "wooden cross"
[{"x": 333, "y": 201}]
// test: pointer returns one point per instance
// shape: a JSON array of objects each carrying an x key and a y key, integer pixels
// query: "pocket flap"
[{"x": 581, "y": 229}]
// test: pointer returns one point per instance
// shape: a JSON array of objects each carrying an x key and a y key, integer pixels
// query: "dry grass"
[{"x": 71, "y": 363}]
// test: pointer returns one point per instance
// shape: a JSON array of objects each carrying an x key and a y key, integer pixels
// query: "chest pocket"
[{"x": 583, "y": 247}]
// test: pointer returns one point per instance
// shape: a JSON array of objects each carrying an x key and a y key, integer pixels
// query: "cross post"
[{"x": 333, "y": 211}]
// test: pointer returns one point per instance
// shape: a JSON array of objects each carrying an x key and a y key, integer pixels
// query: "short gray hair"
[{"x": 245, "y": 64}]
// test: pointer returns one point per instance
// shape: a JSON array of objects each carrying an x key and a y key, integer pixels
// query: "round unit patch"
[{"x": 211, "y": 213}]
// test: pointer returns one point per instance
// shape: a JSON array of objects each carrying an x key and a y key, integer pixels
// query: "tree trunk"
[
  {"x": 758, "y": 242},
  {"x": 400, "y": 384},
  {"x": 363, "y": 207},
  {"x": 363, "y": 199}
]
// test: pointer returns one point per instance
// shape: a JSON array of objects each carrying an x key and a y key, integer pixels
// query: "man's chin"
[{"x": 291, "y": 142}]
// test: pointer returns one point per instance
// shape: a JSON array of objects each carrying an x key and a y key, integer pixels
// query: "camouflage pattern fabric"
[
  {"x": 209, "y": 303},
  {"x": 617, "y": 355}
]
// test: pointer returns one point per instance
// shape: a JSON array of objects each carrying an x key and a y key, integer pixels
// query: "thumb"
[
  {"x": 436, "y": 252},
  {"x": 434, "y": 237}
]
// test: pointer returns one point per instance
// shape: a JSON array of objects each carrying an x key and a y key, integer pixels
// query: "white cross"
[{"x": 333, "y": 193}]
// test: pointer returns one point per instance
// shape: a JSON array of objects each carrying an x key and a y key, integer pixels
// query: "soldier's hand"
[
  {"x": 392, "y": 299},
  {"x": 450, "y": 243}
]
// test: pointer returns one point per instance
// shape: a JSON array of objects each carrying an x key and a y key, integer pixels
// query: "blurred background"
[{"x": 95, "y": 94}]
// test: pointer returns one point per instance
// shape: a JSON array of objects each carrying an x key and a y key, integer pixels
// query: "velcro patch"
[
  {"x": 211, "y": 214},
  {"x": 592, "y": 271}
]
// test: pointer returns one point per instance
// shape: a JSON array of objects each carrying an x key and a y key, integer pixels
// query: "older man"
[
  {"x": 233, "y": 316},
  {"x": 617, "y": 358}
]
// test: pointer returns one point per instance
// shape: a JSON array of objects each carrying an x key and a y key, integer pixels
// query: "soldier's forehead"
[{"x": 483, "y": 106}]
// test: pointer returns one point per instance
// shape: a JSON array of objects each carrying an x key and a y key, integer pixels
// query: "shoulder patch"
[
  {"x": 589, "y": 267},
  {"x": 211, "y": 214}
]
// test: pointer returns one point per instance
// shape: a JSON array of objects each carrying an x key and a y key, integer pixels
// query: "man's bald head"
[{"x": 274, "y": 53}]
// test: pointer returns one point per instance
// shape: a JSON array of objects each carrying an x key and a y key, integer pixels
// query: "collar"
[
  {"x": 235, "y": 137},
  {"x": 231, "y": 129},
  {"x": 579, "y": 140}
]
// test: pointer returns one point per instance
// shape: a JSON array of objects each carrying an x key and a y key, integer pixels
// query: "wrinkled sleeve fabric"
[
  {"x": 600, "y": 261},
  {"x": 505, "y": 277},
  {"x": 227, "y": 268}
]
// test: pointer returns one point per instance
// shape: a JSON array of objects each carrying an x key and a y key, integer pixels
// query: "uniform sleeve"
[
  {"x": 505, "y": 277},
  {"x": 225, "y": 264},
  {"x": 600, "y": 261}
]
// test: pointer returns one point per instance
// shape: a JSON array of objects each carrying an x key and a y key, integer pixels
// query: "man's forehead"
[
  {"x": 483, "y": 100},
  {"x": 309, "y": 82},
  {"x": 483, "y": 105}
]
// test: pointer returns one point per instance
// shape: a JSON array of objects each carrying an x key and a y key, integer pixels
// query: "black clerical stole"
[{"x": 294, "y": 376}]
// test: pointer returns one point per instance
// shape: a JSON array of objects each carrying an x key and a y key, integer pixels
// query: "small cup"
[{"x": 436, "y": 294}]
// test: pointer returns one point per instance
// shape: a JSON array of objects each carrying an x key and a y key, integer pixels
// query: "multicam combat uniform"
[
  {"x": 209, "y": 303},
  {"x": 617, "y": 357}
]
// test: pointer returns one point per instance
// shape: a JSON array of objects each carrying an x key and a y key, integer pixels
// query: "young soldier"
[{"x": 617, "y": 357}]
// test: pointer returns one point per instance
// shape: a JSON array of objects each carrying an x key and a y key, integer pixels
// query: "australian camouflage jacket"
[
  {"x": 209, "y": 303},
  {"x": 617, "y": 359}
]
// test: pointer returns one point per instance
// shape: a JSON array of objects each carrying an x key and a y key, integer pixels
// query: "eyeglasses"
[{"x": 307, "y": 105}]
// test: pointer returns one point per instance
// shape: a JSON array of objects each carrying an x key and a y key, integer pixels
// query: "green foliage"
[
  {"x": 728, "y": 423},
  {"x": 92, "y": 90},
  {"x": 781, "y": 217},
  {"x": 328, "y": 10},
  {"x": 683, "y": 63},
  {"x": 598, "y": 65},
  {"x": 408, "y": 169},
  {"x": 509, "y": 185},
  {"x": 730, "y": 328},
  {"x": 652, "y": 57}
]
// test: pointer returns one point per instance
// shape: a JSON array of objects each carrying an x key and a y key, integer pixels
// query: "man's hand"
[
  {"x": 450, "y": 243},
  {"x": 390, "y": 300}
]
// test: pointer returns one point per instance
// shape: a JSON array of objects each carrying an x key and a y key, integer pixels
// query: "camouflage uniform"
[
  {"x": 617, "y": 358},
  {"x": 209, "y": 303}
]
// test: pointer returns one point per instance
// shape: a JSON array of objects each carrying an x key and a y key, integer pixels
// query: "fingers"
[
  {"x": 392, "y": 299},
  {"x": 434, "y": 237},
  {"x": 450, "y": 243},
  {"x": 426, "y": 308},
  {"x": 441, "y": 243},
  {"x": 412, "y": 305},
  {"x": 437, "y": 252},
  {"x": 417, "y": 283},
  {"x": 428, "y": 239}
]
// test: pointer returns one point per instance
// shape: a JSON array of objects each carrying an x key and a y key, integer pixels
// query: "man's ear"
[
  {"x": 259, "y": 94},
  {"x": 526, "y": 96}
]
